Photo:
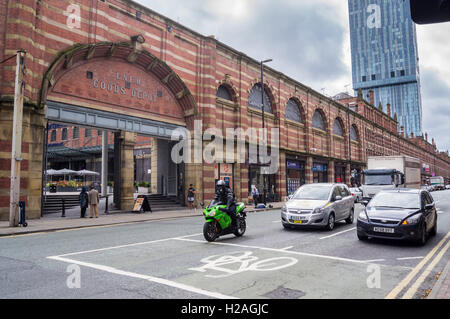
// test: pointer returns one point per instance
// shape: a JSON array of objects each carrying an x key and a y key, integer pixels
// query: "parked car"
[
  {"x": 447, "y": 186},
  {"x": 320, "y": 204},
  {"x": 408, "y": 214},
  {"x": 357, "y": 194}
]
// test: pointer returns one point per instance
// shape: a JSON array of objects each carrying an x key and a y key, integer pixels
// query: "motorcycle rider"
[{"x": 225, "y": 195}]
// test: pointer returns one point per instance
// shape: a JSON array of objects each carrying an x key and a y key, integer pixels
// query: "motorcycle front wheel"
[
  {"x": 240, "y": 227},
  {"x": 210, "y": 231}
]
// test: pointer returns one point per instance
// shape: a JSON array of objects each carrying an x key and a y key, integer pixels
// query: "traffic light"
[{"x": 430, "y": 11}]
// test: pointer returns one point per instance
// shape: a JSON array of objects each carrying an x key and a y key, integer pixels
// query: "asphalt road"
[{"x": 170, "y": 259}]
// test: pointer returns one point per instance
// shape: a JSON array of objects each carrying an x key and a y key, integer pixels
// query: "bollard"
[
  {"x": 106, "y": 206},
  {"x": 63, "y": 208}
]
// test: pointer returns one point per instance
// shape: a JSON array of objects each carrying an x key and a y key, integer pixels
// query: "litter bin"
[{"x": 22, "y": 220}]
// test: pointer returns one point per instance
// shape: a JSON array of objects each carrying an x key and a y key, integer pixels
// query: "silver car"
[
  {"x": 356, "y": 192},
  {"x": 321, "y": 204}
]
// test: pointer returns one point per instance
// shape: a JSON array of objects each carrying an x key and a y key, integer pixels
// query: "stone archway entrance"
[{"x": 121, "y": 88}]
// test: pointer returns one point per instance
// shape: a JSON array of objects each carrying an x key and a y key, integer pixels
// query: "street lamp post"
[{"x": 262, "y": 103}]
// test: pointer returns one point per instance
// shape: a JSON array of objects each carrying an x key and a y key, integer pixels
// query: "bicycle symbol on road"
[{"x": 241, "y": 261}]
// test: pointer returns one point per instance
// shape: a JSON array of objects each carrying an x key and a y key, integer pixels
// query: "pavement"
[
  {"x": 441, "y": 289},
  {"x": 55, "y": 221}
]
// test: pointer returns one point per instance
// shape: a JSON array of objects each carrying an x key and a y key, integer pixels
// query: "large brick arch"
[{"x": 125, "y": 52}]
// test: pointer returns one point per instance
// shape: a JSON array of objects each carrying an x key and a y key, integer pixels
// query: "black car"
[{"x": 399, "y": 214}]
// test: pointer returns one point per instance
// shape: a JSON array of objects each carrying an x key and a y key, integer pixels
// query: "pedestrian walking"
[
  {"x": 255, "y": 194},
  {"x": 84, "y": 202},
  {"x": 191, "y": 196},
  {"x": 94, "y": 199}
]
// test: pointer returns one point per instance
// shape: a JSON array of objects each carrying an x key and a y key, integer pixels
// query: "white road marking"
[
  {"x": 276, "y": 221},
  {"x": 277, "y": 250},
  {"x": 393, "y": 294},
  {"x": 407, "y": 258},
  {"x": 374, "y": 260},
  {"x": 286, "y": 248},
  {"x": 344, "y": 231},
  {"x": 144, "y": 277}
]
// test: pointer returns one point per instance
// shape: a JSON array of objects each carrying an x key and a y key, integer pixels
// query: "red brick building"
[{"x": 116, "y": 65}]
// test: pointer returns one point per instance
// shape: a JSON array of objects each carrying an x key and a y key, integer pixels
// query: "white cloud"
[{"x": 309, "y": 41}]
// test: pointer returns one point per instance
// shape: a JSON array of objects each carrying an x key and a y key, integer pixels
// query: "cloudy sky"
[{"x": 309, "y": 41}]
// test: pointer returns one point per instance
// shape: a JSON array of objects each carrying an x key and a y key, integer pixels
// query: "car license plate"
[
  {"x": 297, "y": 217},
  {"x": 297, "y": 221},
  {"x": 383, "y": 230}
]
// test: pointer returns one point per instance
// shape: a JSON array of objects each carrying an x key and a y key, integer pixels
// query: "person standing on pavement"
[
  {"x": 84, "y": 202},
  {"x": 255, "y": 195},
  {"x": 94, "y": 199},
  {"x": 191, "y": 196}
]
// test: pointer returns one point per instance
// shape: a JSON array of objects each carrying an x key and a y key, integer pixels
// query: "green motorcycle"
[{"x": 219, "y": 223}]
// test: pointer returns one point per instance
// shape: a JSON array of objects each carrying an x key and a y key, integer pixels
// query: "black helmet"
[{"x": 220, "y": 186}]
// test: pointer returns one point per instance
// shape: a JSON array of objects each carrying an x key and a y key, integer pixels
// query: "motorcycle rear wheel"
[{"x": 210, "y": 231}]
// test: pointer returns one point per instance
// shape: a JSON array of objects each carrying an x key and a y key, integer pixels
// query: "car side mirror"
[
  {"x": 429, "y": 206},
  {"x": 337, "y": 198},
  {"x": 290, "y": 197},
  {"x": 365, "y": 202}
]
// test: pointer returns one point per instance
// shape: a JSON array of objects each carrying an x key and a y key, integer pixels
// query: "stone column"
[
  {"x": 308, "y": 170},
  {"x": 331, "y": 172},
  {"x": 128, "y": 140},
  {"x": 104, "y": 162},
  {"x": 348, "y": 176}
]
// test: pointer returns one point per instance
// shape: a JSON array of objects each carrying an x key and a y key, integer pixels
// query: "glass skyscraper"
[{"x": 385, "y": 58}]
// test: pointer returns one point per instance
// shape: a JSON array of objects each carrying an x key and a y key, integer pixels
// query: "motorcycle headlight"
[
  {"x": 411, "y": 220},
  {"x": 363, "y": 215},
  {"x": 212, "y": 213}
]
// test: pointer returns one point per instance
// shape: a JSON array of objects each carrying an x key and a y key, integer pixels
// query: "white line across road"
[
  {"x": 336, "y": 234},
  {"x": 144, "y": 277},
  {"x": 408, "y": 258}
]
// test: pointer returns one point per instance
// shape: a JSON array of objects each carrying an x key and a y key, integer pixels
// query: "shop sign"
[
  {"x": 293, "y": 165},
  {"x": 319, "y": 168}
]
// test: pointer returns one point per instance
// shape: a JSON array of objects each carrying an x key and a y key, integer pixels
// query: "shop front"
[
  {"x": 256, "y": 178},
  {"x": 295, "y": 175},
  {"x": 320, "y": 172},
  {"x": 225, "y": 172},
  {"x": 339, "y": 173}
]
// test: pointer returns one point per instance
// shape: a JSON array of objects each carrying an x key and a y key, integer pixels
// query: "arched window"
[
  {"x": 337, "y": 128},
  {"x": 224, "y": 93},
  {"x": 254, "y": 99},
  {"x": 353, "y": 133},
  {"x": 293, "y": 111},
  {"x": 317, "y": 121}
]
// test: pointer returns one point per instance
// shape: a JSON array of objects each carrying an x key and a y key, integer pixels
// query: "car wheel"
[
  {"x": 423, "y": 235},
  {"x": 350, "y": 218},
  {"x": 433, "y": 231},
  {"x": 331, "y": 222}
]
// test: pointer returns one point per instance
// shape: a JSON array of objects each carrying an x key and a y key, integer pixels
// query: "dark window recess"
[
  {"x": 64, "y": 134},
  {"x": 89, "y": 75},
  {"x": 364, "y": 79},
  {"x": 53, "y": 136},
  {"x": 223, "y": 93},
  {"x": 159, "y": 93},
  {"x": 373, "y": 77},
  {"x": 402, "y": 72},
  {"x": 392, "y": 74},
  {"x": 87, "y": 132},
  {"x": 138, "y": 14},
  {"x": 76, "y": 132},
  {"x": 127, "y": 84}
]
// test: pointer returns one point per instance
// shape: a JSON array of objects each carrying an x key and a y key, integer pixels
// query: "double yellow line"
[{"x": 414, "y": 287}]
